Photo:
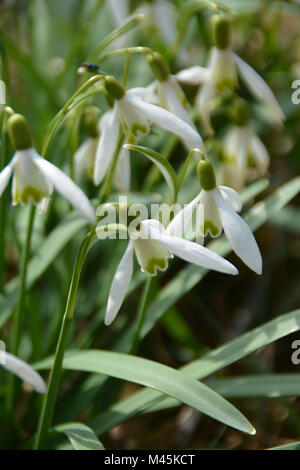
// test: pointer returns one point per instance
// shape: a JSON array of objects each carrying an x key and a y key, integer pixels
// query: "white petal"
[
  {"x": 192, "y": 252},
  {"x": 193, "y": 76},
  {"x": 178, "y": 226},
  {"x": 107, "y": 143},
  {"x": 2, "y": 92},
  {"x": 5, "y": 175},
  {"x": 174, "y": 104},
  {"x": 231, "y": 197},
  {"x": 258, "y": 87},
  {"x": 203, "y": 103},
  {"x": 239, "y": 235},
  {"x": 66, "y": 187},
  {"x": 170, "y": 122},
  {"x": 122, "y": 172},
  {"x": 120, "y": 285},
  {"x": 146, "y": 93},
  {"x": 24, "y": 372},
  {"x": 84, "y": 158},
  {"x": 260, "y": 155}
]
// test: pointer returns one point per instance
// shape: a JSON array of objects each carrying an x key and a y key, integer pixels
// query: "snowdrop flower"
[
  {"x": 153, "y": 246},
  {"x": 244, "y": 156},
  {"x": 218, "y": 206},
  {"x": 85, "y": 156},
  {"x": 170, "y": 94},
  {"x": 221, "y": 74},
  {"x": 161, "y": 16},
  {"x": 23, "y": 371},
  {"x": 34, "y": 177},
  {"x": 134, "y": 115}
]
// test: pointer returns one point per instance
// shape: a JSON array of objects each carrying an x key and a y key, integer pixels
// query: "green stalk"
[
  {"x": 131, "y": 23},
  {"x": 108, "y": 181},
  {"x": 18, "y": 316},
  {"x": 54, "y": 381},
  {"x": 141, "y": 314}
]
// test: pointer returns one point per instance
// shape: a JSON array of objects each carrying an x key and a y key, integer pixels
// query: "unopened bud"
[
  {"x": 206, "y": 175},
  {"x": 221, "y": 32},
  {"x": 159, "y": 66},
  {"x": 19, "y": 132},
  {"x": 114, "y": 88}
]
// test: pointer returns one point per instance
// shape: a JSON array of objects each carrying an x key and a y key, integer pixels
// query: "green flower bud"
[
  {"x": 19, "y": 132},
  {"x": 240, "y": 112},
  {"x": 114, "y": 88},
  {"x": 206, "y": 175},
  {"x": 90, "y": 121},
  {"x": 221, "y": 32},
  {"x": 159, "y": 66}
]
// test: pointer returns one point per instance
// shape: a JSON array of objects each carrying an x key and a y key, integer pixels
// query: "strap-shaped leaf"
[
  {"x": 263, "y": 385},
  {"x": 80, "y": 435},
  {"x": 163, "y": 165},
  {"x": 210, "y": 363},
  {"x": 160, "y": 377}
]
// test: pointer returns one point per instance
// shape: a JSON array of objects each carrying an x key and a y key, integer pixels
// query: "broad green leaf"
[
  {"x": 80, "y": 436},
  {"x": 263, "y": 385},
  {"x": 45, "y": 255},
  {"x": 212, "y": 362},
  {"x": 291, "y": 446},
  {"x": 160, "y": 377},
  {"x": 163, "y": 165},
  {"x": 288, "y": 219}
]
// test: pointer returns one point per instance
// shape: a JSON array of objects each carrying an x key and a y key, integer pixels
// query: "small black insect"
[{"x": 88, "y": 67}]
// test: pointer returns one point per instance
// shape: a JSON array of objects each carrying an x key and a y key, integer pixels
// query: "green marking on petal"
[
  {"x": 31, "y": 194},
  {"x": 137, "y": 128},
  {"x": 155, "y": 264},
  {"x": 210, "y": 227},
  {"x": 225, "y": 84}
]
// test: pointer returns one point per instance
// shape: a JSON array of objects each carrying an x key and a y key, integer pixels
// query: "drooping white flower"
[
  {"x": 218, "y": 206},
  {"x": 34, "y": 177},
  {"x": 134, "y": 115},
  {"x": 153, "y": 246},
  {"x": 244, "y": 156},
  {"x": 221, "y": 74},
  {"x": 85, "y": 156},
  {"x": 22, "y": 370},
  {"x": 168, "y": 89},
  {"x": 161, "y": 16}
]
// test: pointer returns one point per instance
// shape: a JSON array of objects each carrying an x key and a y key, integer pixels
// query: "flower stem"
[
  {"x": 141, "y": 314},
  {"x": 110, "y": 175},
  {"x": 54, "y": 381},
  {"x": 18, "y": 316}
]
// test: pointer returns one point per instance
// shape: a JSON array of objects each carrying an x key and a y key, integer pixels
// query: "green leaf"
[
  {"x": 264, "y": 385},
  {"x": 80, "y": 436},
  {"x": 163, "y": 165},
  {"x": 292, "y": 446},
  {"x": 160, "y": 377},
  {"x": 212, "y": 362},
  {"x": 46, "y": 254},
  {"x": 288, "y": 219}
]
